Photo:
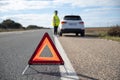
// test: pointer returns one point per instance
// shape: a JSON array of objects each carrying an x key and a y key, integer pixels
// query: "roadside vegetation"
[
  {"x": 10, "y": 25},
  {"x": 110, "y": 33}
]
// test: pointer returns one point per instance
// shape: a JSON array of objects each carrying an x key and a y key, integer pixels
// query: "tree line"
[{"x": 10, "y": 24}]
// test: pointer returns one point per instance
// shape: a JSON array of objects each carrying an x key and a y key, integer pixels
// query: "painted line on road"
[
  {"x": 16, "y": 32},
  {"x": 67, "y": 71}
]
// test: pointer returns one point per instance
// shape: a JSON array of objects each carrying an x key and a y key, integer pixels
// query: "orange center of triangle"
[{"x": 43, "y": 45}]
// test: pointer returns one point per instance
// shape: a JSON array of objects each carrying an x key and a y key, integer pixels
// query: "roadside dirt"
[{"x": 93, "y": 58}]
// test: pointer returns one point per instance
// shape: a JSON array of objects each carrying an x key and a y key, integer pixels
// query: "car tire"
[
  {"x": 83, "y": 33},
  {"x": 76, "y": 34},
  {"x": 60, "y": 33}
]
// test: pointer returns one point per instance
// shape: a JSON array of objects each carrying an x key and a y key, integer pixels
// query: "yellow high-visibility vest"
[{"x": 56, "y": 21}]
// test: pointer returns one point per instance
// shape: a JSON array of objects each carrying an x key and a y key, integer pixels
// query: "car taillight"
[
  {"x": 63, "y": 22},
  {"x": 81, "y": 22}
]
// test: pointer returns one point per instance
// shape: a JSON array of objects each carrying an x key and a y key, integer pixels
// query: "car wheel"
[
  {"x": 83, "y": 33},
  {"x": 60, "y": 33},
  {"x": 76, "y": 34}
]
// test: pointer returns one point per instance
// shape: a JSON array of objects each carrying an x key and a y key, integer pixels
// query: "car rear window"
[{"x": 72, "y": 18}]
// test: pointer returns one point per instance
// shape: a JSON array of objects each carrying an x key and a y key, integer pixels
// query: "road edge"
[{"x": 67, "y": 71}]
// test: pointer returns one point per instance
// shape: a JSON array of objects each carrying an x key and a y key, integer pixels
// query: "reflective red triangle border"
[{"x": 46, "y": 62}]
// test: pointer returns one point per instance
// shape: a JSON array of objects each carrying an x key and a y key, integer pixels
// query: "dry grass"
[
  {"x": 101, "y": 32},
  {"x": 97, "y": 30}
]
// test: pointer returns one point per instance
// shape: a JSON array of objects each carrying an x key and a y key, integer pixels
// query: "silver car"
[{"x": 72, "y": 24}]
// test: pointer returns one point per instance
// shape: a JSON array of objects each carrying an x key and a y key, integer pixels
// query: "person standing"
[{"x": 56, "y": 22}]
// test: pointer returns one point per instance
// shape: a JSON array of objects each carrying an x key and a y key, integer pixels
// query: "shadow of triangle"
[
  {"x": 56, "y": 74},
  {"x": 33, "y": 71}
]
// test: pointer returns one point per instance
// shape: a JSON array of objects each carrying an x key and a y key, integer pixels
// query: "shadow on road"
[
  {"x": 86, "y": 77},
  {"x": 86, "y": 36},
  {"x": 57, "y": 74}
]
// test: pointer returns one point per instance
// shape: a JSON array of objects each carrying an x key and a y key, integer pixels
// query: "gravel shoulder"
[{"x": 93, "y": 58}]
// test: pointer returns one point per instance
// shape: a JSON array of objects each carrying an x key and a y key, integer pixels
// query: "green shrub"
[{"x": 114, "y": 31}]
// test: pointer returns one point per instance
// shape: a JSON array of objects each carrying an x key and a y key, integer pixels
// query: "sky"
[{"x": 94, "y": 13}]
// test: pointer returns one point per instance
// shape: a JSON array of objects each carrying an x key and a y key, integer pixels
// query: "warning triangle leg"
[
  {"x": 25, "y": 69},
  {"x": 66, "y": 70},
  {"x": 28, "y": 66}
]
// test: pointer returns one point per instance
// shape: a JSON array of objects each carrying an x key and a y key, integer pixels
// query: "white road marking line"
[
  {"x": 16, "y": 32},
  {"x": 69, "y": 73}
]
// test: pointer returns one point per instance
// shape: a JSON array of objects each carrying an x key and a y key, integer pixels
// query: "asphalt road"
[
  {"x": 93, "y": 58},
  {"x": 16, "y": 49}
]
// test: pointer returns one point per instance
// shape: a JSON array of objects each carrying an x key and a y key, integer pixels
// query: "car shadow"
[{"x": 86, "y": 36}]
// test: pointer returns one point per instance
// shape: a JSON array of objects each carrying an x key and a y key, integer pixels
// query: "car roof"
[{"x": 71, "y": 15}]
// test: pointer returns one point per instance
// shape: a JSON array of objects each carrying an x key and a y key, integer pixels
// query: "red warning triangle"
[{"x": 37, "y": 59}]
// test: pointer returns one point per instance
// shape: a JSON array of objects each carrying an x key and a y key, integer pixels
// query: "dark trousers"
[{"x": 55, "y": 30}]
